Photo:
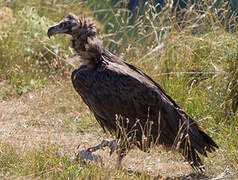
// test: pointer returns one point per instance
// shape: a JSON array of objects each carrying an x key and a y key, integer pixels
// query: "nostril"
[{"x": 67, "y": 23}]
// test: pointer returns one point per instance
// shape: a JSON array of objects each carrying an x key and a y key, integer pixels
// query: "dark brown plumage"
[{"x": 127, "y": 102}]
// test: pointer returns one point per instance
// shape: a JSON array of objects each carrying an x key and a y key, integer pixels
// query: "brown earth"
[{"x": 37, "y": 119}]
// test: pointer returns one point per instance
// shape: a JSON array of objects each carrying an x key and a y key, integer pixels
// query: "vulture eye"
[
  {"x": 61, "y": 25},
  {"x": 64, "y": 24}
]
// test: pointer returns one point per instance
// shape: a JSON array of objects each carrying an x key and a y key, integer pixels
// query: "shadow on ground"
[{"x": 184, "y": 177}]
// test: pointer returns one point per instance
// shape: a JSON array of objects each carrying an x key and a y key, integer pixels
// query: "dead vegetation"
[{"x": 36, "y": 121}]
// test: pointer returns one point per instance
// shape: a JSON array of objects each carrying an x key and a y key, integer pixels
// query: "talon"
[
  {"x": 78, "y": 146},
  {"x": 89, "y": 150},
  {"x": 112, "y": 149},
  {"x": 110, "y": 144},
  {"x": 87, "y": 155}
]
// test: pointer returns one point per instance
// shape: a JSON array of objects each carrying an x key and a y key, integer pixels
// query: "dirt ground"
[{"x": 33, "y": 121}]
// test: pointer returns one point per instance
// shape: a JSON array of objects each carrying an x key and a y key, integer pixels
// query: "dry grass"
[{"x": 37, "y": 122}]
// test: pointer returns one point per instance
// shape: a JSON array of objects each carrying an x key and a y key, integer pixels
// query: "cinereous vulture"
[{"x": 127, "y": 102}]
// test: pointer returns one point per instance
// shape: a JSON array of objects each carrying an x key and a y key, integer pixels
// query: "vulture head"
[
  {"x": 74, "y": 26},
  {"x": 84, "y": 40}
]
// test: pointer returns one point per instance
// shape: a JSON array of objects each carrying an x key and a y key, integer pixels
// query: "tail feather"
[
  {"x": 194, "y": 141},
  {"x": 204, "y": 145},
  {"x": 210, "y": 142},
  {"x": 195, "y": 161}
]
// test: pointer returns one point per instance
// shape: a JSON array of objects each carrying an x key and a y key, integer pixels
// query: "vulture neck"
[
  {"x": 90, "y": 49},
  {"x": 79, "y": 42}
]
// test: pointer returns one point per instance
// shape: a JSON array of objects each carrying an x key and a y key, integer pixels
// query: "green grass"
[
  {"x": 195, "y": 62},
  {"x": 50, "y": 163}
]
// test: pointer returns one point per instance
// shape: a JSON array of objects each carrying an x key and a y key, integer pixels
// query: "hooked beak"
[{"x": 56, "y": 29}]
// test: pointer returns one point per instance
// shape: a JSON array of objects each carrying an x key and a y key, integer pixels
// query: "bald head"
[{"x": 74, "y": 26}]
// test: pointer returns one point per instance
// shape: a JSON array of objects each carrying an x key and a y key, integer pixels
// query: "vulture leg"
[
  {"x": 123, "y": 147},
  {"x": 102, "y": 145},
  {"x": 121, "y": 154},
  {"x": 87, "y": 154}
]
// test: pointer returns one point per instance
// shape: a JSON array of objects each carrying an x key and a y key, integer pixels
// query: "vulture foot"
[
  {"x": 88, "y": 154},
  {"x": 104, "y": 143},
  {"x": 85, "y": 156}
]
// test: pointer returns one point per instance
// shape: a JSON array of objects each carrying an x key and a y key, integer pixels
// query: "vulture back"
[{"x": 127, "y": 102}]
